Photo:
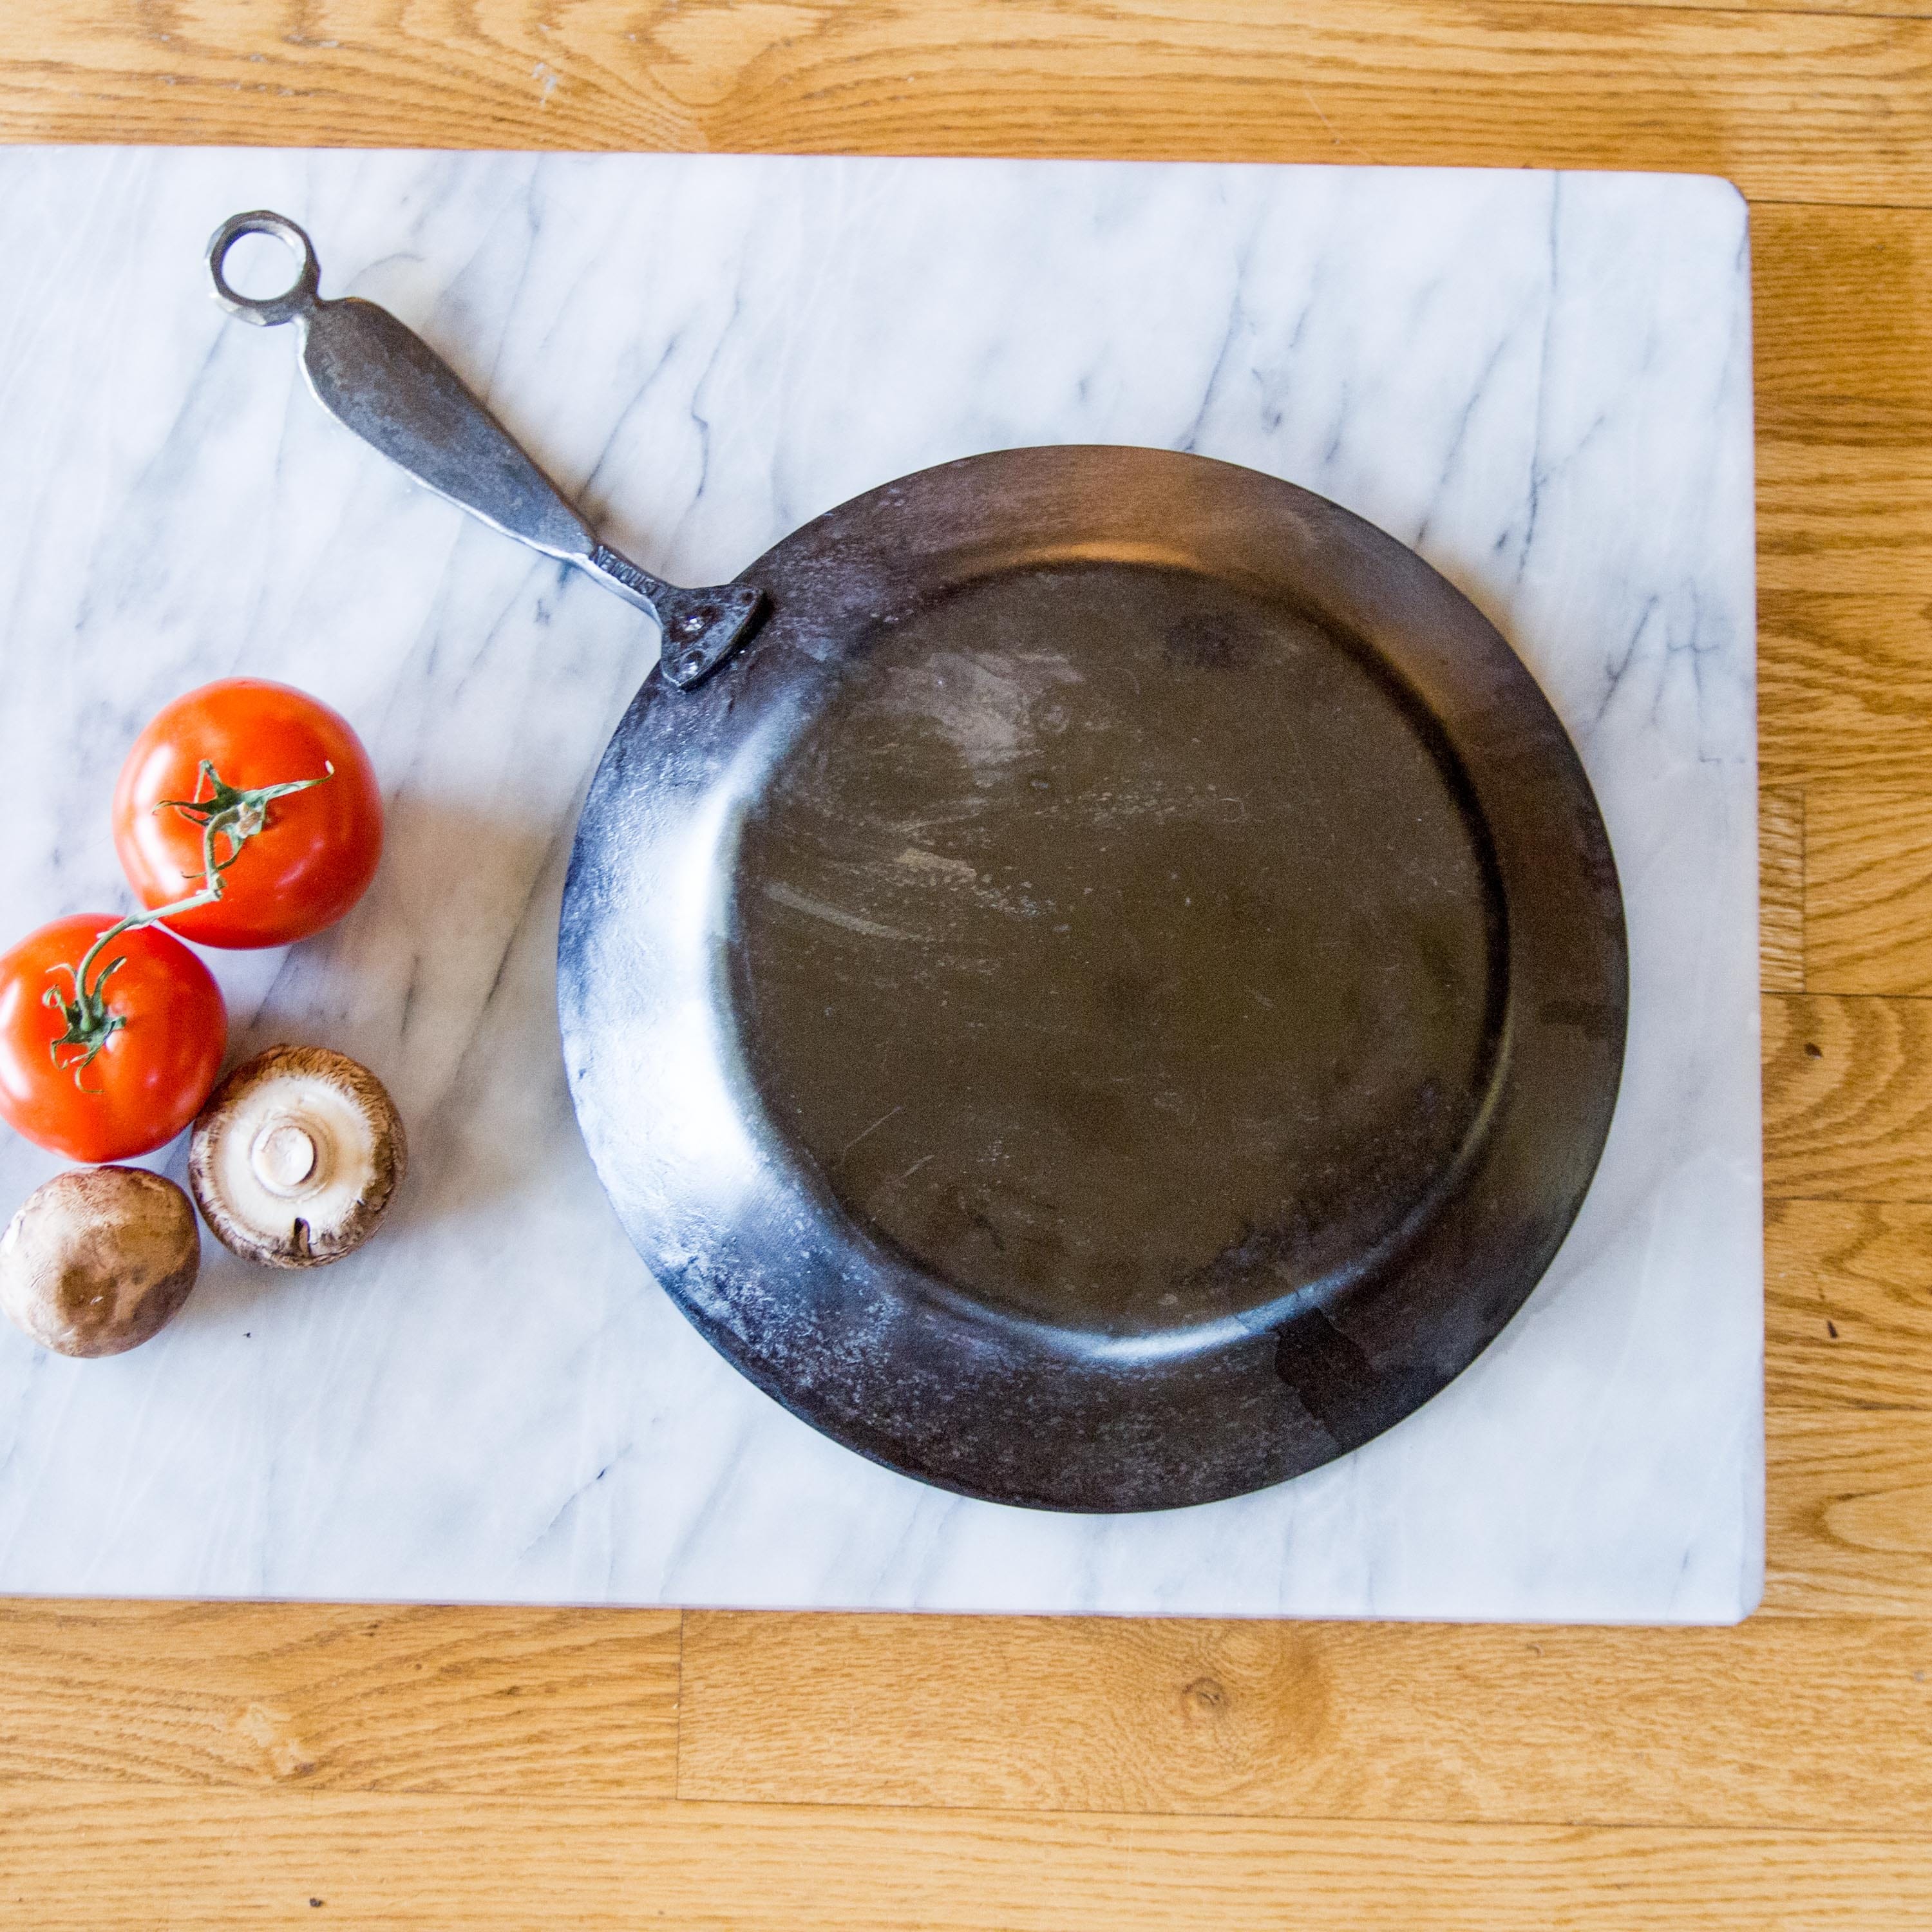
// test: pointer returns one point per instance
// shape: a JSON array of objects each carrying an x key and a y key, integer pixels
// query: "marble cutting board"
[{"x": 1541, "y": 381}]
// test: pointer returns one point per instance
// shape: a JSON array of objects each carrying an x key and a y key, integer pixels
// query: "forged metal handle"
[{"x": 384, "y": 382}]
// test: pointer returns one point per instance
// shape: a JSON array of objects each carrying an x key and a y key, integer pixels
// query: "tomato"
[
  {"x": 151, "y": 1072},
  {"x": 305, "y": 859}
]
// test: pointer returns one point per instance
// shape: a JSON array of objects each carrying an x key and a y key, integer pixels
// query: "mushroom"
[
  {"x": 296, "y": 1156},
  {"x": 98, "y": 1259}
]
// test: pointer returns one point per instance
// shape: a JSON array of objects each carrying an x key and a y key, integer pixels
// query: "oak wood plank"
[
  {"x": 1788, "y": 1722},
  {"x": 345, "y": 1698},
  {"x": 1848, "y": 1305},
  {"x": 1849, "y": 1516},
  {"x": 1841, "y": 324},
  {"x": 1794, "y": 105},
  {"x": 1780, "y": 889},
  {"x": 1845, "y": 686},
  {"x": 1847, "y": 1098},
  {"x": 1868, "y": 889},
  {"x": 1842, "y": 347},
  {"x": 1845, "y": 518},
  {"x": 70, "y": 1856}
]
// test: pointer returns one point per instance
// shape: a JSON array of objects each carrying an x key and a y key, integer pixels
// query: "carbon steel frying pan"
[{"x": 1093, "y": 976}]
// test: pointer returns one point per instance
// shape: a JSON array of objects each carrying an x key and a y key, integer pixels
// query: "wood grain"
[
  {"x": 1785, "y": 1722},
  {"x": 1793, "y": 105},
  {"x": 1845, "y": 685},
  {"x": 1841, "y": 324},
  {"x": 1848, "y": 1306},
  {"x": 345, "y": 1698},
  {"x": 1845, "y": 518},
  {"x": 1849, "y": 1518},
  {"x": 1868, "y": 889},
  {"x": 271, "y": 1858},
  {"x": 1847, "y": 1098},
  {"x": 1781, "y": 890},
  {"x": 1844, "y": 364}
]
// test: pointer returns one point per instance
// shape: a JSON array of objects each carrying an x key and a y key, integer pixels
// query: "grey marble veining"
[{"x": 1542, "y": 381}]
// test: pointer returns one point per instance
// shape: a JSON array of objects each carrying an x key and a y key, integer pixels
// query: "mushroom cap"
[
  {"x": 295, "y": 1158},
  {"x": 98, "y": 1259}
]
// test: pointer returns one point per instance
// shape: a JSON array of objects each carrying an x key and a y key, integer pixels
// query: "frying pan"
[{"x": 1093, "y": 976}]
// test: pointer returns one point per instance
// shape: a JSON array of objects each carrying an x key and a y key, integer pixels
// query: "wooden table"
[{"x": 249, "y": 1766}]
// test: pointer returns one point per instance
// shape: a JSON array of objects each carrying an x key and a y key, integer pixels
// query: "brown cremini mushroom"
[
  {"x": 295, "y": 1157},
  {"x": 98, "y": 1259}
]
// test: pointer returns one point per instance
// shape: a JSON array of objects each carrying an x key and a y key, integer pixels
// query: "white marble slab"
[{"x": 1542, "y": 381}]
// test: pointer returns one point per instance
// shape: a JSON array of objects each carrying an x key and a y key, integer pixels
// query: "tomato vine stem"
[{"x": 232, "y": 813}]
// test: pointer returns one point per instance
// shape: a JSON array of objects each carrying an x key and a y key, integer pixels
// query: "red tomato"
[
  {"x": 315, "y": 850},
  {"x": 152, "y": 1073}
]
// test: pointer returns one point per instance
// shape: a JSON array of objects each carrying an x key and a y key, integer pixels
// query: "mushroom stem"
[
  {"x": 296, "y": 1156},
  {"x": 284, "y": 1157}
]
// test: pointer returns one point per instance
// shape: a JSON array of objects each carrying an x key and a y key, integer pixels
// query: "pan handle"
[{"x": 381, "y": 380}]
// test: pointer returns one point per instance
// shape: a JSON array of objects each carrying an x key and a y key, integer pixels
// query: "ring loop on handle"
[{"x": 295, "y": 300}]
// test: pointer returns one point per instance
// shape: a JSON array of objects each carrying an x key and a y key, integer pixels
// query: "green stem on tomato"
[{"x": 230, "y": 812}]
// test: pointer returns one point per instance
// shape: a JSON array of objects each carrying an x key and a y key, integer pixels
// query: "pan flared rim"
[{"x": 849, "y": 1333}]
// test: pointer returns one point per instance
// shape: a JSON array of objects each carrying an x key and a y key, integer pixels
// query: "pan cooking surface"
[
  {"x": 1113, "y": 997},
  {"x": 1112, "y": 930}
]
